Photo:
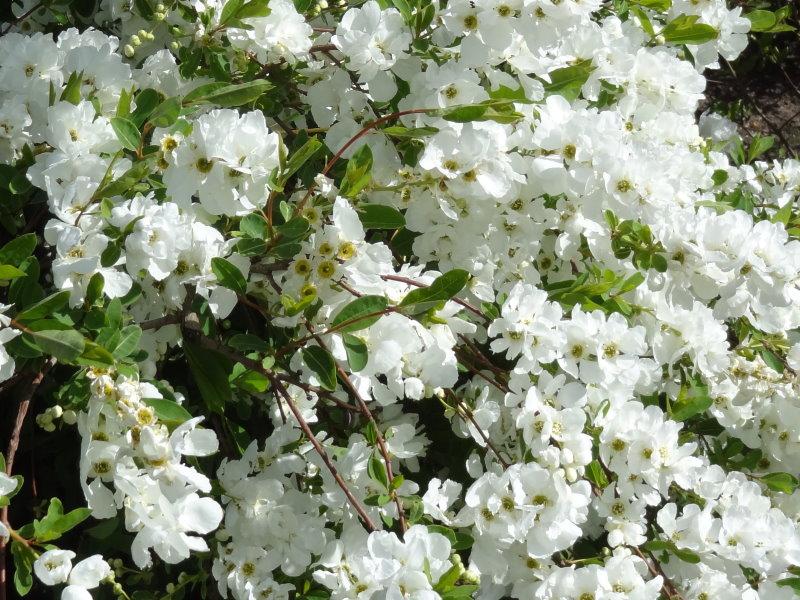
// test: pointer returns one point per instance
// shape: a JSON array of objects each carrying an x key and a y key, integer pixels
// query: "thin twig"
[
  {"x": 408, "y": 281},
  {"x": 278, "y": 385},
  {"x": 466, "y": 412},
  {"x": 22, "y": 17},
  {"x": 13, "y": 445},
  {"x": 378, "y": 435}
]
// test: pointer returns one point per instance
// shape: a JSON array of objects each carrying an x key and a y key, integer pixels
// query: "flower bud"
[
  {"x": 128, "y": 51},
  {"x": 135, "y": 41},
  {"x": 69, "y": 417}
]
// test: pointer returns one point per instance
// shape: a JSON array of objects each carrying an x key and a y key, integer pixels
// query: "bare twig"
[
  {"x": 378, "y": 435},
  {"x": 13, "y": 445},
  {"x": 466, "y": 412},
  {"x": 357, "y": 506}
]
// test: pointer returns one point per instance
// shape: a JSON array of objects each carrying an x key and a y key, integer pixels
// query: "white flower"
[{"x": 53, "y": 566}]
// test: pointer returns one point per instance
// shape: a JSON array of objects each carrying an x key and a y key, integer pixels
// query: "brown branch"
[
  {"x": 172, "y": 319},
  {"x": 408, "y": 281},
  {"x": 364, "y": 131},
  {"x": 378, "y": 435},
  {"x": 668, "y": 588},
  {"x": 466, "y": 412},
  {"x": 22, "y": 17},
  {"x": 13, "y": 445},
  {"x": 278, "y": 385}
]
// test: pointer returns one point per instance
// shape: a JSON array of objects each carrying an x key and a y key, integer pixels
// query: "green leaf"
[
  {"x": 595, "y": 474},
  {"x": 55, "y": 523},
  {"x": 250, "y": 381},
  {"x": 294, "y": 229},
  {"x": 128, "y": 342},
  {"x": 126, "y": 181},
  {"x": 94, "y": 355},
  {"x": 445, "y": 531},
  {"x": 64, "y": 345},
  {"x": 146, "y": 102},
  {"x": 759, "y": 146},
  {"x": 127, "y": 133},
  {"x": 378, "y": 216},
  {"x": 772, "y": 360},
  {"x": 359, "y": 314},
  {"x": 94, "y": 290},
  {"x": 357, "y": 353},
  {"x": 692, "y": 400},
  {"x": 668, "y": 546},
  {"x": 228, "y": 275},
  {"x": 10, "y": 272},
  {"x": 229, "y": 11},
  {"x": 411, "y": 133},
  {"x": 464, "y": 114},
  {"x": 166, "y": 113},
  {"x": 442, "y": 289},
  {"x": 124, "y": 102},
  {"x": 322, "y": 364},
  {"x": 72, "y": 91},
  {"x": 13, "y": 179},
  {"x": 761, "y": 20},
  {"x": 44, "y": 308},
  {"x": 238, "y": 94},
  {"x": 631, "y": 283},
  {"x": 463, "y": 541},
  {"x": 254, "y": 8},
  {"x": 254, "y": 226},
  {"x": 358, "y": 173},
  {"x": 568, "y": 81},
  {"x": 18, "y": 249},
  {"x": 792, "y": 582},
  {"x": 780, "y": 482},
  {"x": 251, "y": 247},
  {"x": 201, "y": 91},
  {"x": 210, "y": 370},
  {"x": 167, "y": 411},
  {"x": 246, "y": 342},
  {"x": 685, "y": 29},
  {"x": 24, "y": 557},
  {"x": 405, "y": 9},
  {"x": 644, "y": 20},
  {"x": 298, "y": 158},
  {"x": 656, "y": 5},
  {"x": 460, "y": 592},
  {"x": 376, "y": 470}
]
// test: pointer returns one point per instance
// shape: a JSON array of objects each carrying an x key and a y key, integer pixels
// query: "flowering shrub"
[{"x": 397, "y": 300}]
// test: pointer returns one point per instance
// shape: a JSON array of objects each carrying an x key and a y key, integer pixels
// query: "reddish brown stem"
[
  {"x": 378, "y": 435},
  {"x": 278, "y": 385},
  {"x": 364, "y": 131},
  {"x": 13, "y": 445},
  {"x": 466, "y": 412},
  {"x": 408, "y": 281}
]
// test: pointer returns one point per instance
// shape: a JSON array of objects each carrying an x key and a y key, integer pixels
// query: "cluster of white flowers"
[
  {"x": 620, "y": 365},
  {"x": 131, "y": 460}
]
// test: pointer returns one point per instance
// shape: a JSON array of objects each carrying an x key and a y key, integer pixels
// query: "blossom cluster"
[{"x": 467, "y": 299}]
